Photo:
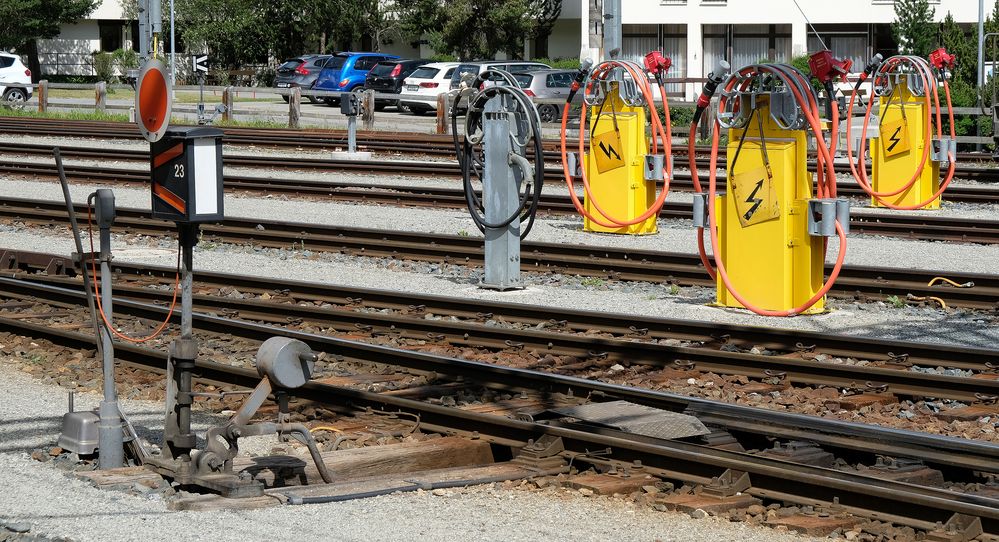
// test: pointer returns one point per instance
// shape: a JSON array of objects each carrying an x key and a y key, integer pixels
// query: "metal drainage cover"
[{"x": 637, "y": 419}]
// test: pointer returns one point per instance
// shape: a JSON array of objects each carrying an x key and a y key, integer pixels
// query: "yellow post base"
[
  {"x": 898, "y": 150},
  {"x": 615, "y": 168},
  {"x": 762, "y": 221}
]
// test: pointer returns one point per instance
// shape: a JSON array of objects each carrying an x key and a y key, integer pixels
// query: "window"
[
  {"x": 336, "y": 63},
  {"x": 318, "y": 62},
  {"x": 449, "y": 73},
  {"x": 559, "y": 80},
  {"x": 111, "y": 32},
  {"x": 523, "y": 79},
  {"x": 427, "y": 73},
  {"x": 383, "y": 68},
  {"x": 6, "y": 61},
  {"x": 364, "y": 64}
]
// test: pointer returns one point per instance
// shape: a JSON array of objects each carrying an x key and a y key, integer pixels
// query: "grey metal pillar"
[
  {"x": 352, "y": 134},
  {"x": 177, "y": 435},
  {"x": 501, "y": 184},
  {"x": 143, "y": 37},
  {"x": 110, "y": 439},
  {"x": 613, "y": 39}
]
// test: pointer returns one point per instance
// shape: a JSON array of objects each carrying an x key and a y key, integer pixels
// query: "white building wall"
[{"x": 694, "y": 14}]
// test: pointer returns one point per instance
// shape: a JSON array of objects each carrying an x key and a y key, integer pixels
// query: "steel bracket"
[
  {"x": 959, "y": 528},
  {"x": 823, "y": 214},
  {"x": 575, "y": 165},
  {"x": 543, "y": 453},
  {"x": 942, "y": 148},
  {"x": 655, "y": 165},
  {"x": 731, "y": 482},
  {"x": 701, "y": 209}
]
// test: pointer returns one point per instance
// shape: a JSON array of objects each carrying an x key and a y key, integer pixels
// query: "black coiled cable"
[{"x": 468, "y": 155}]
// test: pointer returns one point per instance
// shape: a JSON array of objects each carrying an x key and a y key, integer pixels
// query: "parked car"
[
  {"x": 15, "y": 79},
  {"x": 476, "y": 68},
  {"x": 301, "y": 72},
  {"x": 387, "y": 77},
  {"x": 345, "y": 72},
  {"x": 548, "y": 84},
  {"x": 420, "y": 89}
]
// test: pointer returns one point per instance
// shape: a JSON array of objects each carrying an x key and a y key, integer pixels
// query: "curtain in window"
[{"x": 746, "y": 51}]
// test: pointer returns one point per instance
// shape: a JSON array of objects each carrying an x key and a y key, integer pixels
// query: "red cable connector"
[
  {"x": 826, "y": 68},
  {"x": 657, "y": 63},
  {"x": 942, "y": 59}
]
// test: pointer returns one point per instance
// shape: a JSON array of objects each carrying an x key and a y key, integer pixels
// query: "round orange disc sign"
[{"x": 153, "y": 102}]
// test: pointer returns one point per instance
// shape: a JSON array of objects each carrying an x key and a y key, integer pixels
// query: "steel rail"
[
  {"x": 681, "y": 180},
  {"x": 612, "y": 263},
  {"x": 607, "y": 351},
  {"x": 908, "y": 226},
  {"x": 917, "y": 506},
  {"x": 326, "y": 139}
]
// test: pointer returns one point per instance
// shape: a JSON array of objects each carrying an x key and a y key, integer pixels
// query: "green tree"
[
  {"x": 914, "y": 28},
  {"x": 476, "y": 29},
  {"x": 544, "y": 13},
  {"x": 23, "y": 22}
]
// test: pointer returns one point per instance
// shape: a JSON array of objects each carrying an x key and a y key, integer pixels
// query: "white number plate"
[
  {"x": 412, "y": 88},
  {"x": 283, "y": 85}
]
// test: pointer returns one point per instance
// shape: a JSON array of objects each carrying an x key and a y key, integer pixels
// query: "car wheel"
[
  {"x": 15, "y": 97},
  {"x": 548, "y": 112},
  {"x": 313, "y": 99}
]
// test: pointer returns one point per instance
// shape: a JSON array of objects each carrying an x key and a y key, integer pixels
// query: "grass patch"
[
  {"x": 68, "y": 115},
  {"x": 896, "y": 301},
  {"x": 592, "y": 282},
  {"x": 180, "y": 97},
  {"x": 247, "y": 123}
]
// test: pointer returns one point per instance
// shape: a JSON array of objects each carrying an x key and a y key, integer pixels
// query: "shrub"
[{"x": 103, "y": 64}]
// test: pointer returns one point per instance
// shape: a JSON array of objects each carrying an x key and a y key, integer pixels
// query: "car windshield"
[
  {"x": 523, "y": 79},
  {"x": 336, "y": 62},
  {"x": 383, "y": 68},
  {"x": 290, "y": 64},
  {"x": 425, "y": 73}
]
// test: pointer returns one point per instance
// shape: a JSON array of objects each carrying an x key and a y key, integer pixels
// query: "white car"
[
  {"x": 15, "y": 79},
  {"x": 420, "y": 89}
]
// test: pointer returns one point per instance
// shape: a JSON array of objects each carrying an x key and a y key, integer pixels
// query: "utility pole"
[
  {"x": 596, "y": 30},
  {"x": 613, "y": 39},
  {"x": 981, "y": 64}
]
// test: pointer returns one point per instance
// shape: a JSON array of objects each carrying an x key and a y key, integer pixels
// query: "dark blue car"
[{"x": 345, "y": 72}]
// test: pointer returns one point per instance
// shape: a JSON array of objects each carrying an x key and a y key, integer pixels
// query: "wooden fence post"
[
  {"x": 368, "y": 110},
  {"x": 294, "y": 107},
  {"x": 43, "y": 95},
  {"x": 227, "y": 99},
  {"x": 101, "y": 96},
  {"x": 443, "y": 113}
]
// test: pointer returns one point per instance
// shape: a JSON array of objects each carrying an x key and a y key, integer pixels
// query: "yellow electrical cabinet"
[
  {"x": 762, "y": 219},
  {"x": 615, "y": 167},
  {"x": 898, "y": 150}
]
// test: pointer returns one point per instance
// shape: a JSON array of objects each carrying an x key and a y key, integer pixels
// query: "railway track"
[
  {"x": 908, "y": 226},
  {"x": 732, "y": 350},
  {"x": 319, "y": 139},
  {"x": 854, "y": 282},
  {"x": 920, "y": 506}
]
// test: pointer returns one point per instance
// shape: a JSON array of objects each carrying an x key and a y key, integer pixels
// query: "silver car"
[{"x": 548, "y": 85}]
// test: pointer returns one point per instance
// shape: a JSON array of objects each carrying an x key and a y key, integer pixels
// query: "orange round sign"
[{"x": 153, "y": 101}]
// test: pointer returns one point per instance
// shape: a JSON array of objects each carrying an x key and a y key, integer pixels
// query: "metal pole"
[
  {"x": 173, "y": 50},
  {"x": 501, "y": 194},
  {"x": 351, "y": 133},
  {"x": 110, "y": 439},
  {"x": 177, "y": 436},
  {"x": 981, "y": 64},
  {"x": 612, "y": 28}
]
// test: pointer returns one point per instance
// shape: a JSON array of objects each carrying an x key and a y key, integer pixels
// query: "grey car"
[
  {"x": 547, "y": 85},
  {"x": 301, "y": 72}
]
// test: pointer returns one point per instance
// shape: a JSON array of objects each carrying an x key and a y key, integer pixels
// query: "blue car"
[{"x": 345, "y": 72}]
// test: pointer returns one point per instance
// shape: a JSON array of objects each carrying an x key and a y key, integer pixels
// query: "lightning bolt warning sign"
[
  {"x": 894, "y": 138},
  {"x": 754, "y": 196}
]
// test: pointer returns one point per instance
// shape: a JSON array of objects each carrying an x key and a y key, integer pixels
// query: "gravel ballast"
[{"x": 43, "y": 498}]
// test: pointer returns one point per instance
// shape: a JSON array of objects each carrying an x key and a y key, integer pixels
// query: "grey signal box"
[{"x": 186, "y": 166}]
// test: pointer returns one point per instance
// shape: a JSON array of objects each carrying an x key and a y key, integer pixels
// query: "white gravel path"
[
  {"x": 674, "y": 235},
  {"x": 56, "y": 505}
]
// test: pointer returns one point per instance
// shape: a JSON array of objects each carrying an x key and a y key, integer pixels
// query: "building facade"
[
  {"x": 695, "y": 34},
  {"x": 105, "y": 29}
]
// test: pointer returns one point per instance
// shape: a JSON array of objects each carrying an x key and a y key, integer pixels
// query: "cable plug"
[
  {"x": 657, "y": 64},
  {"x": 715, "y": 78},
  {"x": 577, "y": 83},
  {"x": 941, "y": 59}
]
